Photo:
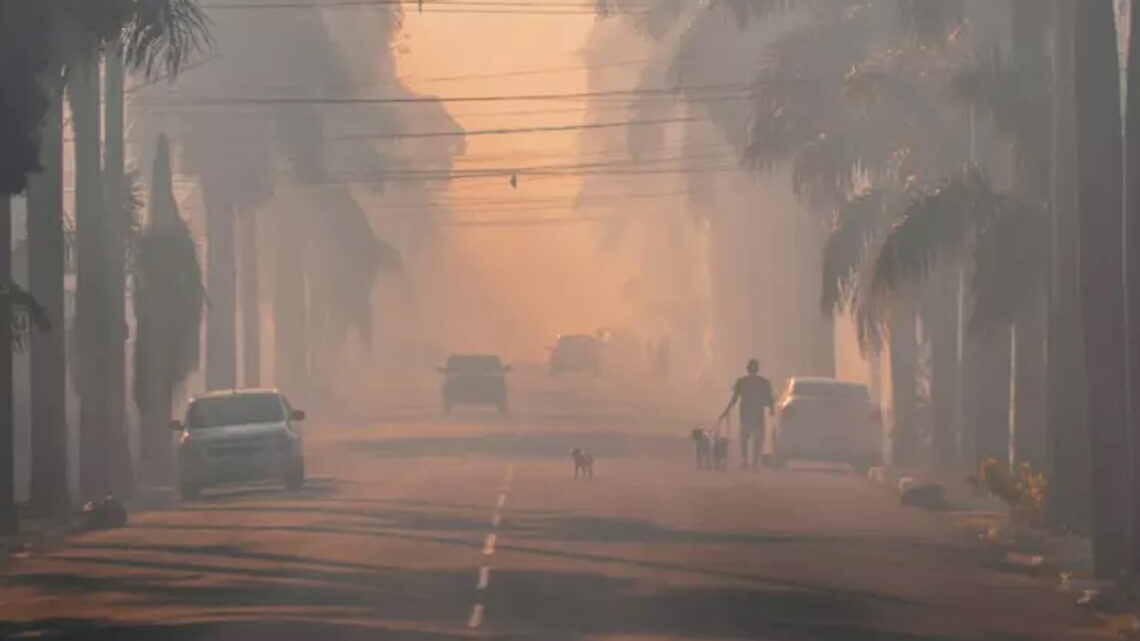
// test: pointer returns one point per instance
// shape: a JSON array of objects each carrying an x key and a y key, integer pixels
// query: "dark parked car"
[
  {"x": 577, "y": 353},
  {"x": 474, "y": 379}
]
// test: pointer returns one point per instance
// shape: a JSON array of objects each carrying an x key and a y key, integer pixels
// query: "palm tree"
[
  {"x": 1132, "y": 256},
  {"x": 1099, "y": 200},
  {"x": 49, "y": 493},
  {"x": 249, "y": 291},
  {"x": 91, "y": 317},
  {"x": 1070, "y": 499},
  {"x": 118, "y": 221},
  {"x": 156, "y": 36},
  {"x": 168, "y": 300}
]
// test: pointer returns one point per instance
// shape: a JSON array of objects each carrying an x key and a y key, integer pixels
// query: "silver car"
[
  {"x": 824, "y": 419},
  {"x": 239, "y": 436}
]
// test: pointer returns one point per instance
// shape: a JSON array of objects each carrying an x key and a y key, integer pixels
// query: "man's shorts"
[{"x": 752, "y": 428}]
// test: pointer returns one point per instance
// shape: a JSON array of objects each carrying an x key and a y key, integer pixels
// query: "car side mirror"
[
  {"x": 297, "y": 415},
  {"x": 176, "y": 425}
]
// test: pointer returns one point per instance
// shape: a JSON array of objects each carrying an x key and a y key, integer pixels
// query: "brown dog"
[
  {"x": 583, "y": 463},
  {"x": 720, "y": 452},
  {"x": 702, "y": 446}
]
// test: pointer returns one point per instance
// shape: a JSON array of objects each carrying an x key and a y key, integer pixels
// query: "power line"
[
  {"x": 521, "y": 6},
  {"x": 208, "y": 101},
  {"x": 514, "y": 130}
]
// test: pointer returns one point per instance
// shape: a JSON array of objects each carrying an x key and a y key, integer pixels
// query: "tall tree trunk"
[
  {"x": 118, "y": 214},
  {"x": 1132, "y": 255},
  {"x": 944, "y": 368},
  {"x": 290, "y": 332},
  {"x": 1029, "y": 434},
  {"x": 988, "y": 372},
  {"x": 9, "y": 521},
  {"x": 1100, "y": 199},
  {"x": 50, "y": 494},
  {"x": 221, "y": 285},
  {"x": 250, "y": 301},
  {"x": 1070, "y": 496},
  {"x": 904, "y": 381},
  {"x": 91, "y": 327},
  {"x": 1030, "y": 175}
]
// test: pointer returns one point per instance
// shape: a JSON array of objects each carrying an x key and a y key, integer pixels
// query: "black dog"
[
  {"x": 703, "y": 446},
  {"x": 720, "y": 452},
  {"x": 108, "y": 514},
  {"x": 583, "y": 463}
]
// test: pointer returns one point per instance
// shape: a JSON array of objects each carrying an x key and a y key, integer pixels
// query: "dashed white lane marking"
[{"x": 476, "y": 619}]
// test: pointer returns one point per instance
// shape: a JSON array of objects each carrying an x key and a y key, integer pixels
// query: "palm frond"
[
  {"x": 856, "y": 224},
  {"x": 160, "y": 37},
  {"x": 1009, "y": 265},
  {"x": 931, "y": 20},
  {"x": 24, "y": 56},
  {"x": 27, "y": 314},
  {"x": 937, "y": 223}
]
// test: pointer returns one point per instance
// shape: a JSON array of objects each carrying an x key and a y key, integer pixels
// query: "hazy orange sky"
[{"x": 522, "y": 285}]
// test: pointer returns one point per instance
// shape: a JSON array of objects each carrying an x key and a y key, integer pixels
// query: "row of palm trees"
[
  {"x": 323, "y": 267},
  {"x": 52, "y": 52},
  {"x": 966, "y": 153}
]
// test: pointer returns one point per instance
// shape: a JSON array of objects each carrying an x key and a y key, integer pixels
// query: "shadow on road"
[
  {"x": 268, "y": 628},
  {"x": 555, "y": 605}
]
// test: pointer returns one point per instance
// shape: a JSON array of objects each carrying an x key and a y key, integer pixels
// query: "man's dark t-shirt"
[{"x": 755, "y": 393}]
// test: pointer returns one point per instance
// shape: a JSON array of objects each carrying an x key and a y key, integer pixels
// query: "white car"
[
  {"x": 239, "y": 436},
  {"x": 824, "y": 419}
]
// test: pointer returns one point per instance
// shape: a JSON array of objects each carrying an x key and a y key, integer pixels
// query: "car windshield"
[
  {"x": 238, "y": 409},
  {"x": 831, "y": 389},
  {"x": 475, "y": 364}
]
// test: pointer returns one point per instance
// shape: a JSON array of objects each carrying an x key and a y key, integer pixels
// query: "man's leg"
[
  {"x": 757, "y": 446},
  {"x": 746, "y": 436}
]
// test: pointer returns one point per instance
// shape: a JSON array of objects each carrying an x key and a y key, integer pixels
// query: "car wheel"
[
  {"x": 295, "y": 480},
  {"x": 190, "y": 491}
]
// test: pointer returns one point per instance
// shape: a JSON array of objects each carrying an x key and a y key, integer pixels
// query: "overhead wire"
[{"x": 678, "y": 90}]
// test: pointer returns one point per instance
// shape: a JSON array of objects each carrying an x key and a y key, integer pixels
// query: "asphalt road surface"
[{"x": 420, "y": 527}]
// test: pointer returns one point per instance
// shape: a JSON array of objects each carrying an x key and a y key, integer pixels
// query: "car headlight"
[{"x": 184, "y": 439}]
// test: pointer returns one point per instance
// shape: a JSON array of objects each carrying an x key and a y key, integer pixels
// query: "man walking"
[{"x": 754, "y": 393}]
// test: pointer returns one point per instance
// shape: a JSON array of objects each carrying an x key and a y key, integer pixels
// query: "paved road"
[{"x": 429, "y": 529}]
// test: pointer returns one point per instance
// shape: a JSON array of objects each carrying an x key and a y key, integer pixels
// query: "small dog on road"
[
  {"x": 703, "y": 447},
  {"x": 583, "y": 463}
]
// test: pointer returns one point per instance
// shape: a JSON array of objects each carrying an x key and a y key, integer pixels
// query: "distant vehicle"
[
  {"x": 474, "y": 379},
  {"x": 827, "y": 420},
  {"x": 576, "y": 353},
  {"x": 239, "y": 436}
]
